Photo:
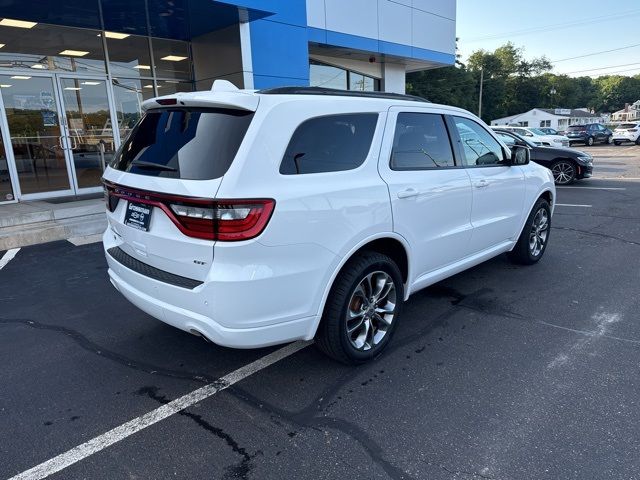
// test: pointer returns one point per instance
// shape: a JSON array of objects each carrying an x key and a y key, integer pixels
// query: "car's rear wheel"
[
  {"x": 534, "y": 236},
  {"x": 638, "y": 141},
  {"x": 564, "y": 172},
  {"x": 362, "y": 310},
  {"x": 617, "y": 143},
  {"x": 590, "y": 141}
]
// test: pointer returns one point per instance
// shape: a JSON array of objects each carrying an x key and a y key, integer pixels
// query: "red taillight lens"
[{"x": 223, "y": 220}]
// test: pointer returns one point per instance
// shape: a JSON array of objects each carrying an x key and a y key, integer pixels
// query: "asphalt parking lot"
[{"x": 501, "y": 372}]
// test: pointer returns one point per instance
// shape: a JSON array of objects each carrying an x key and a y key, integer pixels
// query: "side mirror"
[{"x": 520, "y": 155}]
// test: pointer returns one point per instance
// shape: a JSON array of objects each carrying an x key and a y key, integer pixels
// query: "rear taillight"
[
  {"x": 224, "y": 220},
  {"x": 228, "y": 220}
]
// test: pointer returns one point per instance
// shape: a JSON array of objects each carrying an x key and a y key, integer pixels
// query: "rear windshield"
[
  {"x": 577, "y": 128},
  {"x": 186, "y": 143},
  {"x": 628, "y": 125}
]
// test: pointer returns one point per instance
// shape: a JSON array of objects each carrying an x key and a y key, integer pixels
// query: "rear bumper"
[
  {"x": 198, "y": 324},
  {"x": 621, "y": 137},
  {"x": 253, "y": 296}
]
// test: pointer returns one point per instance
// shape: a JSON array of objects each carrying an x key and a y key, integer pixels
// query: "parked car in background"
[
  {"x": 253, "y": 218},
  {"x": 550, "y": 131},
  {"x": 627, "y": 132},
  {"x": 566, "y": 164},
  {"x": 538, "y": 137},
  {"x": 589, "y": 134}
]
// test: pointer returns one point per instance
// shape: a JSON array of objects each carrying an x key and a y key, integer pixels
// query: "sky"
[{"x": 558, "y": 29}]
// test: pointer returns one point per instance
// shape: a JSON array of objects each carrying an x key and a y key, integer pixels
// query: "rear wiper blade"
[{"x": 153, "y": 166}]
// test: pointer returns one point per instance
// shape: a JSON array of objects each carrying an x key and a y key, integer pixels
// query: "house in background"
[
  {"x": 630, "y": 113},
  {"x": 559, "y": 118}
]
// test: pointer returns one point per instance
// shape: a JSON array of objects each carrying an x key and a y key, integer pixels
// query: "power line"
[
  {"x": 556, "y": 26},
  {"x": 603, "y": 68},
  {"x": 596, "y": 53}
]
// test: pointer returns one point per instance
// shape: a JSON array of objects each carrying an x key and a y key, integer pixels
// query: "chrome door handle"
[
  {"x": 407, "y": 193},
  {"x": 481, "y": 184}
]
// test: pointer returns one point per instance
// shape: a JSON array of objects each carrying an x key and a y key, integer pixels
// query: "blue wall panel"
[{"x": 279, "y": 45}]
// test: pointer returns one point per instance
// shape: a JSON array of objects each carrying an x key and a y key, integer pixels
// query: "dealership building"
[{"x": 74, "y": 73}]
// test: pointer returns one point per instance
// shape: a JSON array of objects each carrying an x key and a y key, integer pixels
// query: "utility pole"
[{"x": 480, "y": 99}]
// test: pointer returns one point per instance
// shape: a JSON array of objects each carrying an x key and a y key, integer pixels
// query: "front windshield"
[{"x": 537, "y": 131}]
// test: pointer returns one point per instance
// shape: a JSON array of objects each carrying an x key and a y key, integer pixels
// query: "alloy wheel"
[
  {"x": 539, "y": 232},
  {"x": 563, "y": 173},
  {"x": 371, "y": 310}
]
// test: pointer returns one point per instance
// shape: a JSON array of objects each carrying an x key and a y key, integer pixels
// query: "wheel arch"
[
  {"x": 388, "y": 243},
  {"x": 549, "y": 195}
]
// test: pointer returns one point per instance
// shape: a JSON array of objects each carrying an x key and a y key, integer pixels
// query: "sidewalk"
[{"x": 29, "y": 223}]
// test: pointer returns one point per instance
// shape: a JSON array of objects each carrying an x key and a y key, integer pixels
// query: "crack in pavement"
[
  {"x": 239, "y": 470},
  {"x": 92, "y": 347},
  {"x": 603, "y": 235},
  {"x": 313, "y": 416}
]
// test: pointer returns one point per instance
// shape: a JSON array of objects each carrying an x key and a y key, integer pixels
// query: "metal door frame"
[
  {"x": 65, "y": 140},
  {"x": 115, "y": 132}
]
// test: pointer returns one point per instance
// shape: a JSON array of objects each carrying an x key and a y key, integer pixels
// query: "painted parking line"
[
  {"x": 125, "y": 430},
  {"x": 596, "y": 188},
  {"x": 8, "y": 256},
  {"x": 572, "y": 205}
]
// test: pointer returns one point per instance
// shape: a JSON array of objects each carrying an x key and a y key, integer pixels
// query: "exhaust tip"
[{"x": 195, "y": 332}]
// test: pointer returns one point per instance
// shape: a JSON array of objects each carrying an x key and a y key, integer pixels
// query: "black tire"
[
  {"x": 524, "y": 253},
  {"x": 638, "y": 141},
  {"x": 589, "y": 142},
  {"x": 609, "y": 139},
  {"x": 332, "y": 337},
  {"x": 617, "y": 143},
  {"x": 564, "y": 172}
]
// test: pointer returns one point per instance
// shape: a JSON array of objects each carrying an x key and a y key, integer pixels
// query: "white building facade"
[{"x": 558, "y": 119}]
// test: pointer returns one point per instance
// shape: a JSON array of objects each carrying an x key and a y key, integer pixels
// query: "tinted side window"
[
  {"x": 186, "y": 143},
  {"x": 329, "y": 144},
  {"x": 421, "y": 141},
  {"x": 480, "y": 148}
]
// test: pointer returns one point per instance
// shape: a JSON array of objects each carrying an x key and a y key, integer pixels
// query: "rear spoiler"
[{"x": 223, "y": 95}]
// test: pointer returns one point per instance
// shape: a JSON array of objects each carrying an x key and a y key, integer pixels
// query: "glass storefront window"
[
  {"x": 51, "y": 47},
  {"x": 128, "y": 55},
  {"x": 171, "y": 58},
  {"x": 167, "y": 87},
  {"x": 327, "y": 76},
  {"x": 128, "y": 95},
  {"x": 361, "y": 82}
]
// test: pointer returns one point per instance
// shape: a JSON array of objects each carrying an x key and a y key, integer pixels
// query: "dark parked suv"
[
  {"x": 566, "y": 164},
  {"x": 589, "y": 134}
]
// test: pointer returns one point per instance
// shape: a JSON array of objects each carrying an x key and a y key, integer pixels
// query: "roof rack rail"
[{"x": 339, "y": 93}]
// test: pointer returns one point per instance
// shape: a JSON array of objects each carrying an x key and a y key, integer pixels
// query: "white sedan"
[{"x": 540, "y": 138}]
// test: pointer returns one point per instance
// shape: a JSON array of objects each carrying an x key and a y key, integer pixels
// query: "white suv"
[{"x": 257, "y": 218}]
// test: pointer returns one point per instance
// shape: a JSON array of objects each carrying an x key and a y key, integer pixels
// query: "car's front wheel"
[
  {"x": 617, "y": 143},
  {"x": 590, "y": 141},
  {"x": 361, "y": 312},
  {"x": 564, "y": 172},
  {"x": 534, "y": 236},
  {"x": 609, "y": 139}
]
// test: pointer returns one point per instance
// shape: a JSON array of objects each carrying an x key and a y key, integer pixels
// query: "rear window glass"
[
  {"x": 329, "y": 144},
  {"x": 577, "y": 128},
  {"x": 185, "y": 143},
  {"x": 628, "y": 125}
]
